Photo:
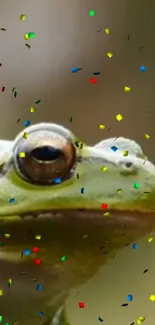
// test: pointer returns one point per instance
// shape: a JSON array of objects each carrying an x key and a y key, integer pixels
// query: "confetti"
[
  {"x": 35, "y": 250},
  {"x": 104, "y": 206},
  {"x": 152, "y": 298},
  {"x": 31, "y": 35},
  {"x": 81, "y": 304},
  {"x": 27, "y": 252},
  {"x": 134, "y": 246},
  {"x": 125, "y": 153},
  {"x": 1, "y": 292},
  {"x": 64, "y": 258},
  {"x": 114, "y": 148},
  {"x": 91, "y": 13},
  {"x": 119, "y": 117},
  {"x": 12, "y": 200},
  {"x": 39, "y": 287},
  {"x": 124, "y": 305},
  {"x": 107, "y": 31},
  {"x": 127, "y": 89},
  {"x": 71, "y": 119},
  {"x": 38, "y": 101},
  {"x": 104, "y": 168},
  {"x": 57, "y": 180},
  {"x": 130, "y": 297},
  {"x": 37, "y": 261},
  {"x": 96, "y": 73},
  {"x": 22, "y": 154},
  {"x": 150, "y": 239},
  {"x": 136, "y": 186},
  {"x": 142, "y": 68},
  {"x": 38, "y": 237},
  {"x": 26, "y": 37},
  {"x": 7, "y": 235},
  {"x": 82, "y": 190},
  {"x": 27, "y": 45},
  {"x": 1, "y": 319},
  {"x": 145, "y": 271},
  {"x": 15, "y": 94},
  {"x": 32, "y": 109},
  {"x": 147, "y": 136},
  {"x": 74, "y": 70},
  {"x": 3, "y": 29},
  {"x": 140, "y": 319},
  {"x": 25, "y": 135},
  {"x": 110, "y": 55},
  {"x": 9, "y": 282},
  {"x": 22, "y": 17},
  {"x": 2, "y": 90},
  {"x": 102, "y": 127},
  {"x": 40, "y": 313},
  {"x": 93, "y": 80},
  {"x": 100, "y": 319},
  {"x": 106, "y": 214},
  {"x": 26, "y": 123}
]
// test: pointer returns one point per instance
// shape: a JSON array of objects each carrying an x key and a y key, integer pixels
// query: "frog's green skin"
[{"x": 76, "y": 234}]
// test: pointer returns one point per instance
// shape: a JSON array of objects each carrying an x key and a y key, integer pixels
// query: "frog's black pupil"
[{"x": 46, "y": 153}]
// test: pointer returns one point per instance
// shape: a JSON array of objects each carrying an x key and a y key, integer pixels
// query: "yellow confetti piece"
[
  {"x": 127, "y": 89},
  {"x": 152, "y": 298},
  {"x": 7, "y": 235},
  {"x": 110, "y": 55},
  {"x": 13, "y": 89},
  {"x": 26, "y": 37},
  {"x": 22, "y": 154},
  {"x": 38, "y": 237},
  {"x": 119, "y": 117},
  {"x": 25, "y": 135},
  {"x": 125, "y": 153},
  {"x": 119, "y": 190},
  {"x": 150, "y": 239},
  {"x": 104, "y": 168},
  {"x": 102, "y": 127},
  {"x": 147, "y": 136},
  {"x": 22, "y": 17},
  {"x": 27, "y": 45},
  {"x": 85, "y": 236},
  {"x": 32, "y": 109},
  {"x": 107, "y": 31},
  {"x": 106, "y": 214},
  {"x": 140, "y": 320},
  {"x": 1, "y": 292},
  {"x": 10, "y": 281}
]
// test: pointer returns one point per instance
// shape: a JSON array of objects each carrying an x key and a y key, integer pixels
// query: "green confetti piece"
[
  {"x": 63, "y": 258},
  {"x": 136, "y": 186},
  {"x": 1, "y": 319},
  {"x": 38, "y": 101},
  {"x": 49, "y": 222},
  {"x": 15, "y": 94},
  {"x": 31, "y": 35}
]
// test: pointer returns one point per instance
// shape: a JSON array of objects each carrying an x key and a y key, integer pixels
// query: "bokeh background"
[{"x": 66, "y": 37}]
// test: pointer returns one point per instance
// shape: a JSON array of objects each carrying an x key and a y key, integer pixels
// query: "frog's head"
[{"x": 59, "y": 173}]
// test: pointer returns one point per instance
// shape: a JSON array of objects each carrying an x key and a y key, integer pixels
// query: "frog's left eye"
[{"x": 45, "y": 157}]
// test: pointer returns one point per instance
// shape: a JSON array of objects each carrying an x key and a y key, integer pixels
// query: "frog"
[{"x": 60, "y": 199}]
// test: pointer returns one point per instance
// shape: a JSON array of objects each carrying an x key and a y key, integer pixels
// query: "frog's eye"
[
  {"x": 128, "y": 167},
  {"x": 45, "y": 158}
]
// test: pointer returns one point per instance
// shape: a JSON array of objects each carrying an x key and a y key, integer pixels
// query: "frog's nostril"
[
  {"x": 46, "y": 153},
  {"x": 128, "y": 164}
]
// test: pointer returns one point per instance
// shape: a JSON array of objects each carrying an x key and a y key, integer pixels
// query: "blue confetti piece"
[
  {"x": 77, "y": 143},
  {"x": 12, "y": 200},
  {"x": 135, "y": 246},
  {"x": 82, "y": 190},
  {"x": 39, "y": 287},
  {"x": 57, "y": 180},
  {"x": 114, "y": 148},
  {"x": 142, "y": 68},
  {"x": 96, "y": 73},
  {"x": 130, "y": 297},
  {"x": 26, "y": 123},
  {"x": 27, "y": 252},
  {"x": 74, "y": 70},
  {"x": 100, "y": 319},
  {"x": 40, "y": 313}
]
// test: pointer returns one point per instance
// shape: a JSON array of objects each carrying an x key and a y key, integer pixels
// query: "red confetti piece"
[
  {"x": 93, "y": 80},
  {"x": 81, "y": 304},
  {"x": 3, "y": 88},
  {"x": 104, "y": 206},
  {"x": 35, "y": 249},
  {"x": 37, "y": 261}
]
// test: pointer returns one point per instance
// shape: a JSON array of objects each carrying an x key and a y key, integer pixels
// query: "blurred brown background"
[{"x": 65, "y": 37}]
